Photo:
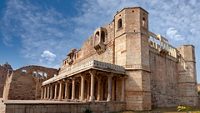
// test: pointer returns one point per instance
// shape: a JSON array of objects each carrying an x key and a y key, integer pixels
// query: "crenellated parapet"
[{"x": 162, "y": 45}]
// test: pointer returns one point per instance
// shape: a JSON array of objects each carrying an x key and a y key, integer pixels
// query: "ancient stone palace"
[{"x": 125, "y": 62}]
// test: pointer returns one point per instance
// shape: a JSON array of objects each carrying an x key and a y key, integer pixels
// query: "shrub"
[
  {"x": 87, "y": 110},
  {"x": 199, "y": 93},
  {"x": 183, "y": 108}
]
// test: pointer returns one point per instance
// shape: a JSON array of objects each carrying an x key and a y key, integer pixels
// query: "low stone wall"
[{"x": 62, "y": 107}]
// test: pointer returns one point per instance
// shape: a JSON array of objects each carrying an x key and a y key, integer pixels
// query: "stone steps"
[{"x": 2, "y": 106}]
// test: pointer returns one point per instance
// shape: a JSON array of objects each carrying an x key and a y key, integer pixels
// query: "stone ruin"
[{"x": 23, "y": 83}]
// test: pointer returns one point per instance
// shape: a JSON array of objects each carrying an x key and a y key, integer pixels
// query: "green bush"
[
  {"x": 87, "y": 110},
  {"x": 199, "y": 93},
  {"x": 183, "y": 108}
]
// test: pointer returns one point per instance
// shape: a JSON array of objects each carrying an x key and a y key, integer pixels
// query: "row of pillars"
[{"x": 47, "y": 90}]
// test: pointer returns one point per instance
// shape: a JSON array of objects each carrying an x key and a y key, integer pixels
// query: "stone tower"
[
  {"x": 187, "y": 81},
  {"x": 132, "y": 52}
]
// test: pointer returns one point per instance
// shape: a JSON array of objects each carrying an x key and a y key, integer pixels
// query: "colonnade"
[{"x": 84, "y": 87}]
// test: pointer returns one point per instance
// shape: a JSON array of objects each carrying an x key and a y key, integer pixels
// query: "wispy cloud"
[
  {"x": 48, "y": 56},
  {"x": 98, "y": 13},
  {"x": 38, "y": 30},
  {"x": 173, "y": 34}
]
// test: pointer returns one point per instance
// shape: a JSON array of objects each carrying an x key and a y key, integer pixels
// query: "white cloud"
[
  {"x": 36, "y": 29},
  {"x": 49, "y": 56},
  {"x": 174, "y": 35}
]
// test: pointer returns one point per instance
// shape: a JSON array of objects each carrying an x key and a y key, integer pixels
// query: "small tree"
[{"x": 87, "y": 110}]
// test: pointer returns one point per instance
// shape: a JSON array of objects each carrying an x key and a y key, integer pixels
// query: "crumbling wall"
[
  {"x": 25, "y": 82},
  {"x": 3, "y": 74}
]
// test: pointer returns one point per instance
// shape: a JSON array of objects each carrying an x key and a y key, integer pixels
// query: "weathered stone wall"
[
  {"x": 198, "y": 87},
  {"x": 3, "y": 74},
  {"x": 173, "y": 80},
  {"x": 132, "y": 52},
  {"x": 88, "y": 53},
  {"x": 187, "y": 77},
  {"x": 164, "y": 80},
  {"x": 25, "y": 83},
  {"x": 56, "y": 107}
]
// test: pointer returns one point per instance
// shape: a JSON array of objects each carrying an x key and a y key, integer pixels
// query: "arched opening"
[
  {"x": 143, "y": 21},
  {"x": 96, "y": 35},
  {"x": 103, "y": 36},
  {"x": 119, "y": 23}
]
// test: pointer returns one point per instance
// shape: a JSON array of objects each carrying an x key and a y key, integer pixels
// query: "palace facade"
[{"x": 125, "y": 62}]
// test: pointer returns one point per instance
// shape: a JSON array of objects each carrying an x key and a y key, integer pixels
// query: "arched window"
[
  {"x": 143, "y": 21},
  {"x": 119, "y": 23},
  {"x": 103, "y": 36},
  {"x": 96, "y": 37}
]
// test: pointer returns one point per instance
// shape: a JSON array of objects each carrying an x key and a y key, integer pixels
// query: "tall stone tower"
[
  {"x": 132, "y": 52},
  {"x": 187, "y": 81}
]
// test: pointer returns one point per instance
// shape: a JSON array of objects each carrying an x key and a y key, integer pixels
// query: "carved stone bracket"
[{"x": 100, "y": 36}]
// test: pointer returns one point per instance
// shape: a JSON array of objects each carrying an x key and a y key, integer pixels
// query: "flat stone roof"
[{"x": 78, "y": 68}]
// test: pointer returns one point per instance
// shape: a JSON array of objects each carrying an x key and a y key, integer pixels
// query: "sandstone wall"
[
  {"x": 88, "y": 53},
  {"x": 56, "y": 107},
  {"x": 187, "y": 76},
  {"x": 3, "y": 75},
  {"x": 164, "y": 80},
  {"x": 25, "y": 83}
]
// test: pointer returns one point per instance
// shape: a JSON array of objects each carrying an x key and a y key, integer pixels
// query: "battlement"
[{"x": 162, "y": 45}]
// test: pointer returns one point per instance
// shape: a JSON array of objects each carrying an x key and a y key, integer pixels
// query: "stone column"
[
  {"x": 99, "y": 90},
  {"x": 60, "y": 91},
  {"x": 92, "y": 87},
  {"x": 42, "y": 93},
  {"x": 55, "y": 91},
  {"x": 82, "y": 87},
  {"x": 109, "y": 88},
  {"x": 88, "y": 90},
  {"x": 45, "y": 92},
  {"x": 73, "y": 89},
  {"x": 122, "y": 93},
  {"x": 66, "y": 89},
  {"x": 51, "y": 91}
]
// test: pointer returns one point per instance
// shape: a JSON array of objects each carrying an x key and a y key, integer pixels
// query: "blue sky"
[{"x": 43, "y": 31}]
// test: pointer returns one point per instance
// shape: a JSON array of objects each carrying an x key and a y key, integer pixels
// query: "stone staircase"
[{"x": 2, "y": 106}]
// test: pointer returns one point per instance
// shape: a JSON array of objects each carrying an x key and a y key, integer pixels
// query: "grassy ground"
[{"x": 164, "y": 110}]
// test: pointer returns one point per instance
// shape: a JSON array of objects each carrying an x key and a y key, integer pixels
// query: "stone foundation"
[{"x": 62, "y": 107}]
